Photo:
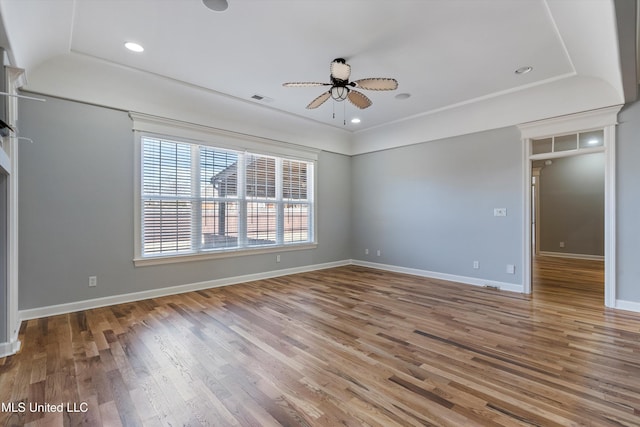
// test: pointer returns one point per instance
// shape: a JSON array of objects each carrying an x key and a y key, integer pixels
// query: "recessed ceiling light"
[
  {"x": 524, "y": 70},
  {"x": 402, "y": 96},
  {"x": 216, "y": 5},
  {"x": 355, "y": 120},
  {"x": 134, "y": 47}
]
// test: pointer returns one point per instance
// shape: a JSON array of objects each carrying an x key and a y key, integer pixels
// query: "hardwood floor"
[
  {"x": 348, "y": 346},
  {"x": 579, "y": 282}
]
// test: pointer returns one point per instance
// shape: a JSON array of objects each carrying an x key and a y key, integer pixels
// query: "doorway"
[
  {"x": 567, "y": 228},
  {"x": 561, "y": 137}
]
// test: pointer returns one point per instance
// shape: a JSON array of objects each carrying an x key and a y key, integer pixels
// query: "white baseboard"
[
  {"x": 570, "y": 255},
  {"x": 9, "y": 348},
  {"x": 53, "y": 310},
  {"x": 628, "y": 305},
  {"x": 13, "y": 346},
  {"x": 512, "y": 287}
]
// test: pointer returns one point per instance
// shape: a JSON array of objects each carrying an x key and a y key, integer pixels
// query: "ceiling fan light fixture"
[
  {"x": 216, "y": 5},
  {"x": 339, "y": 93}
]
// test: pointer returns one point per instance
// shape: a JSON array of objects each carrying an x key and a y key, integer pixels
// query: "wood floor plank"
[{"x": 348, "y": 346}]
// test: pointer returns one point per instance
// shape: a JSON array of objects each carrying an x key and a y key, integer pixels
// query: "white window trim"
[
  {"x": 173, "y": 259},
  {"x": 147, "y": 125}
]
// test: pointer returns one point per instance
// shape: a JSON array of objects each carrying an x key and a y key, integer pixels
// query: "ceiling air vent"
[{"x": 262, "y": 98}]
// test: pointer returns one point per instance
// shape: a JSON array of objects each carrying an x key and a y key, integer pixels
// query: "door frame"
[
  {"x": 535, "y": 209},
  {"x": 606, "y": 119},
  {"x": 15, "y": 78}
]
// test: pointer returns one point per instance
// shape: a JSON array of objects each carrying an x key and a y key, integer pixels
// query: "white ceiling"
[{"x": 447, "y": 54}]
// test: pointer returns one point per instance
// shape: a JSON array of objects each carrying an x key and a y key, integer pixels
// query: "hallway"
[{"x": 575, "y": 282}]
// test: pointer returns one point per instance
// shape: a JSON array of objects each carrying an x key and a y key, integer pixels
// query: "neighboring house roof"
[{"x": 260, "y": 180}]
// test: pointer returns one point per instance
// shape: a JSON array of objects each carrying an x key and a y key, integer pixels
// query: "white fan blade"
[
  {"x": 340, "y": 70},
  {"x": 377, "y": 84},
  {"x": 319, "y": 101},
  {"x": 358, "y": 99},
  {"x": 305, "y": 84}
]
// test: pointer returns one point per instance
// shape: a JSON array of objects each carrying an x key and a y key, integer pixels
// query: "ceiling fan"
[{"x": 342, "y": 88}]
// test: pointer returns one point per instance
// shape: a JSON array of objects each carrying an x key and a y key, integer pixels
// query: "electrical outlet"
[
  {"x": 277, "y": 258},
  {"x": 562, "y": 244},
  {"x": 511, "y": 269},
  {"x": 476, "y": 264},
  {"x": 500, "y": 212},
  {"x": 366, "y": 251},
  {"x": 93, "y": 281},
  {"x": 379, "y": 252}
]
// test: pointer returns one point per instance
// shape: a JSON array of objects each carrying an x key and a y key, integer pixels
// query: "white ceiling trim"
[
  {"x": 579, "y": 122},
  {"x": 474, "y": 101},
  {"x": 588, "y": 32},
  {"x": 96, "y": 82},
  {"x": 559, "y": 35},
  {"x": 567, "y": 96},
  {"x": 43, "y": 37},
  {"x": 219, "y": 137}
]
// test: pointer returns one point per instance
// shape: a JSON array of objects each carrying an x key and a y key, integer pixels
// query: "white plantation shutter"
[
  {"x": 297, "y": 203},
  {"x": 220, "y": 198},
  {"x": 261, "y": 195},
  {"x": 166, "y": 203},
  {"x": 197, "y": 198}
]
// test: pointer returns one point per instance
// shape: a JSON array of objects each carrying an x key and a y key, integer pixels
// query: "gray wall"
[
  {"x": 76, "y": 208},
  {"x": 628, "y": 203},
  {"x": 77, "y": 218},
  {"x": 572, "y": 205},
  {"x": 430, "y": 206}
]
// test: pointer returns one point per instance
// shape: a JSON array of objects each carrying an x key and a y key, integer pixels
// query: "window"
[
  {"x": 197, "y": 199},
  {"x": 570, "y": 142}
]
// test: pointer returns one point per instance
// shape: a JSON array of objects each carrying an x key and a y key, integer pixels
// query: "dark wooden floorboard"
[{"x": 348, "y": 346}]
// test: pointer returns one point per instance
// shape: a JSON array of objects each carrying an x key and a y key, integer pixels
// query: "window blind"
[{"x": 198, "y": 198}]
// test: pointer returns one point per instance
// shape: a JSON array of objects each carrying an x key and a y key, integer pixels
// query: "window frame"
[{"x": 172, "y": 130}]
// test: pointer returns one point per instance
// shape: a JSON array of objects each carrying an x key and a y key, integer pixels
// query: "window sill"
[{"x": 203, "y": 256}]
